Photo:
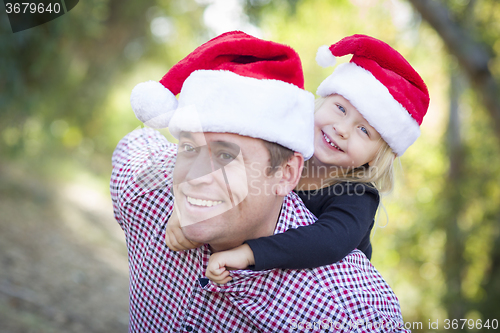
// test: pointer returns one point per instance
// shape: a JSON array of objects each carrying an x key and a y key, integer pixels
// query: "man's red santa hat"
[
  {"x": 380, "y": 84},
  {"x": 234, "y": 83}
]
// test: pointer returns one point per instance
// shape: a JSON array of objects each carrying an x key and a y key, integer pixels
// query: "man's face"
[{"x": 222, "y": 192}]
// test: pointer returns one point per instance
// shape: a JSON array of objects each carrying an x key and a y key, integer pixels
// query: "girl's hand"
[
  {"x": 175, "y": 238},
  {"x": 220, "y": 263}
]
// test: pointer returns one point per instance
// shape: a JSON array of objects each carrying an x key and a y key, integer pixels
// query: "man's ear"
[{"x": 290, "y": 175}]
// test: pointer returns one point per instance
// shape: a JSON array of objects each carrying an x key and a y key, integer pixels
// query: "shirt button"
[{"x": 189, "y": 328}]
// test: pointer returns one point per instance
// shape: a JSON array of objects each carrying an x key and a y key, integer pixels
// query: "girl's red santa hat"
[
  {"x": 380, "y": 84},
  {"x": 234, "y": 83}
]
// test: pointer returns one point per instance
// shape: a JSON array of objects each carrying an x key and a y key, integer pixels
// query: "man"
[{"x": 244, "y": 125}]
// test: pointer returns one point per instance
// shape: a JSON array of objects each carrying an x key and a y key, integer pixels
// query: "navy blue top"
[{"x": 345, "y": 212}]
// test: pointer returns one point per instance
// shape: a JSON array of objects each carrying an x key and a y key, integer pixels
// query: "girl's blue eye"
[
  {"x": 365, "y": 131},
  {"x": 341, "y": 108}
]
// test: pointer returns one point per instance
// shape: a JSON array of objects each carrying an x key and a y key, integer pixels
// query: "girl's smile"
[{"x": 329, "y": 142}]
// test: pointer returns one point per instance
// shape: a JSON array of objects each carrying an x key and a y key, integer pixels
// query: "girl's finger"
[
  {"x": 182, "y": 241},
  {"x": 172, "y": 242},
  {"x": 224, "y": 280},
  {"x": 216, "y": 273}
]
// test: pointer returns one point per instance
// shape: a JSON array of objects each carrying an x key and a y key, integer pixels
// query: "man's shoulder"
[
  {"x": 143, "y": 161},
  {"x": 353, "y": 274},
  {"x": 354, "y": 280},
  {"x": 144, "y": 139},
  {"x": 143, "y": 146},
  {"x": 294, "y": 214}
]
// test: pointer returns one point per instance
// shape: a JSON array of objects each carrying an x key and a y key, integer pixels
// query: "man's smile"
[{"x": 203, "y": 202}]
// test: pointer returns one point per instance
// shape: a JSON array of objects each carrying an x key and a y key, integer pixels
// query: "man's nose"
[{"x": 200, "y": 171}]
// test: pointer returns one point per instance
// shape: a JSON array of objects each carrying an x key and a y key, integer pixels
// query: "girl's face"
[{"x": 342, "y": 136}]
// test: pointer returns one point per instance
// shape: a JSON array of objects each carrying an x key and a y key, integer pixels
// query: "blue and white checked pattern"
[{"x": 168, "y": 290}]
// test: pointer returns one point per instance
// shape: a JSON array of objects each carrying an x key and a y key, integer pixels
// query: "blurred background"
[{"x": 64, "y": 105}]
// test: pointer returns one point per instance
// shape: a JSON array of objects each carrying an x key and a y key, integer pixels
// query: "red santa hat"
[
  {"x": 380, "y": 84},
  {"x": 234, "y": 83}
]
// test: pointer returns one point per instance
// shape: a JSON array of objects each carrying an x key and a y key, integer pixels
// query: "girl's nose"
[{"x": 341, "y": 130}]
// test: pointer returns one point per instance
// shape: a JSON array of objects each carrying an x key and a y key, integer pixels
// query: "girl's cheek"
[{"x": 319, "y": 122}]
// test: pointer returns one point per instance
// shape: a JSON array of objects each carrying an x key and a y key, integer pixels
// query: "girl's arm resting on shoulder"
[{"x": 339, "y": 230}]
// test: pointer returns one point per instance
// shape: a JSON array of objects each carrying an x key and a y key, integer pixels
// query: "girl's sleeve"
[{"x": 342, "y": 224}]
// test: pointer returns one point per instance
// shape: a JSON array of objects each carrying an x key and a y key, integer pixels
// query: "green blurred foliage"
[{"x": 61, "y": 91}]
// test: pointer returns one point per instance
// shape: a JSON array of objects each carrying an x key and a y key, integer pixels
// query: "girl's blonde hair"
[{"x": 380, "y": 174}]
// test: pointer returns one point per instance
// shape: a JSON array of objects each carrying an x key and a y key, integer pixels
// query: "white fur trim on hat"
[
  {"x": 153, "y": 104},
  {"x": 271, "y": 110},
  {"x": 374, "y": 101},
  {"x": 324, "y": 57}
]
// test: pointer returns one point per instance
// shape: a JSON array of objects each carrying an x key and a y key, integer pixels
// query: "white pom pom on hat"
[
  {"x": 153, "y": 104},
  {"x": 324, "y": 57}
]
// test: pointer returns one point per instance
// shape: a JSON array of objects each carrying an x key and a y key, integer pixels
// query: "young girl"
[{"x": 369, "y": 113}]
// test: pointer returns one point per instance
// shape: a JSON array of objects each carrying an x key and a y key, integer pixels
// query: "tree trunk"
[
  {"x": 454, "y": 263},
  {"x": 472, "y": 55}
]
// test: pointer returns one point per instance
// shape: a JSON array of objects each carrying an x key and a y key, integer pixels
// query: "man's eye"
[
  {"x": 226, "y": 156},
  {"x": 188, "y": 148}
]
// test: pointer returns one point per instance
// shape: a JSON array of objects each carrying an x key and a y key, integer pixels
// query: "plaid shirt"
[{"x": 169, "y": 292}]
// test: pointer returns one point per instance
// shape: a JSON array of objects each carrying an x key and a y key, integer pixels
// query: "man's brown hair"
[{"x": 279, "y": 155}]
